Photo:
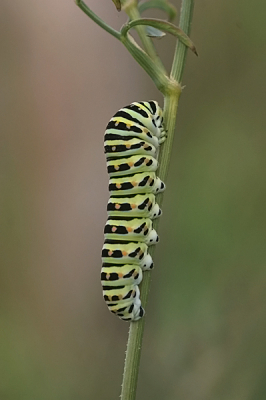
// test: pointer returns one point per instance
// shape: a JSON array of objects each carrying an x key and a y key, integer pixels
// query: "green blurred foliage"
[{"x": 206, "y": 318}]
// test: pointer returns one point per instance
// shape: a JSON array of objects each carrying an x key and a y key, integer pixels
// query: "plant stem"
[
  {"x": 153, "y": 70},
  {"x": 181, "y": 50},
  {"x": 97, "y": 19},
  {"x": 133, "y": 352},
  {"x": 131, "y": 8}
]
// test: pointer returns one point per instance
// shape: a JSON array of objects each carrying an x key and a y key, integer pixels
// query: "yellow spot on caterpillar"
[
  {"x": 131, "y": 164},
  {"x": 107, "y": 276},
  {"x": 120, "y": 275},
  {"x": 124, "y": 253},
  {"x": 128, "y": 146},
  {"x": 129, "y": 229},
  {"x": 128, "y": 125},
  {"x": 113, "y": 148},
  {"x": 117, "y": 206},
  {"x": 110, "y": 252},
  {"x": 146, "y": 160},
  {"x": 120, "y": 297},
  {"x": 114, "y": 228},
  {"x": 116, "y": 123},
  {"x": 145, "y": 130},
  {"x": 134, "y": 183},
  {"x": 116, "y": 167},
  {"x": 135, "y": 273},
  {"x": 133, "y": 206},
  {"x": 118, "y": 185},
  {"x": 149, "y": 180}
]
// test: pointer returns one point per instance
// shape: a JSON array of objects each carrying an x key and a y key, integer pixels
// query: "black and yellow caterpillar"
[{"x": 131, "y": 142}]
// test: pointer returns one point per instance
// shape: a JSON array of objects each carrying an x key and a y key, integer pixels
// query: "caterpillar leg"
[
  {"x": 135, "y": 311},
  {"x": 138, "y": 314},
  {"x": 162, "y": 139}
]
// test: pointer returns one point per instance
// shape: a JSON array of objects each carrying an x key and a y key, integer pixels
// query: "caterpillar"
[{"x": 131, "y": 142}]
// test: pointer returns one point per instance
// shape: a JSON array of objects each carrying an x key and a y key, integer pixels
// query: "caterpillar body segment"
[
  {"x": 135, "y": 230},
  {"x": 144, "y": 182},
  {"x": 119, "y": 128},
  {"x": 131, "y": 142},
  {"x": 131, "y": 165},
  {"x": 121, "y": 275},
  {"x": 133, "y": 253},
  {"x": 125, "y": 148},
  {"x": 128, "y": 307},
  {"x": 139, "y": 205}
]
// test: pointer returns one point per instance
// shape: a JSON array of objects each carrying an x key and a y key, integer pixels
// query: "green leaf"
[
  {"x": 163, "y": 26},
  {"x": 163, "y": 5}
]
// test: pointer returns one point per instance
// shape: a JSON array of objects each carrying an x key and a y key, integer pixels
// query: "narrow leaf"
[
  {"x": 163, "y": 5},
  {"x": 163, "y": 26}
]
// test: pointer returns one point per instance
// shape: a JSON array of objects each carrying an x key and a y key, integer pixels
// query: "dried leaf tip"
[{"x": 117, "y": 3}]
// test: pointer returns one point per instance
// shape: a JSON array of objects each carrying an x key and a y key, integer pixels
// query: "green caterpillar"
[{"x": 131, "y": 143}]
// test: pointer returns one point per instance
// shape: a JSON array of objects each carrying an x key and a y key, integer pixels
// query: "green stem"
[
  {"x": 133, "y": 352},
  {"x": 181, "y": 50},
  {"x": 131, "y": 8},
  {"x": 152, "y": 68},
  {"x": 96, "y": 19},
  {"x": 159, "y": 78}
]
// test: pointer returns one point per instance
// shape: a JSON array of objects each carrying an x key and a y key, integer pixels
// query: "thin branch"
[
  {"x": 153, "y": 70},
  {"x": 181, "y": 50},
  {"x": 97, "y": 19},
  {"x": 163, "y": 5},
  {"x": 131, "y": 8}
]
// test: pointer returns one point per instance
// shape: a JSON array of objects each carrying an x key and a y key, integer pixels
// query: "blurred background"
[{"x": 62, "y": 78}]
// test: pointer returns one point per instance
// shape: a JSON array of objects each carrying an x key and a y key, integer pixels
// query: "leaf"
[
  {"x": 163, "y": 26},
  {"x": 163, "y": 5}
]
